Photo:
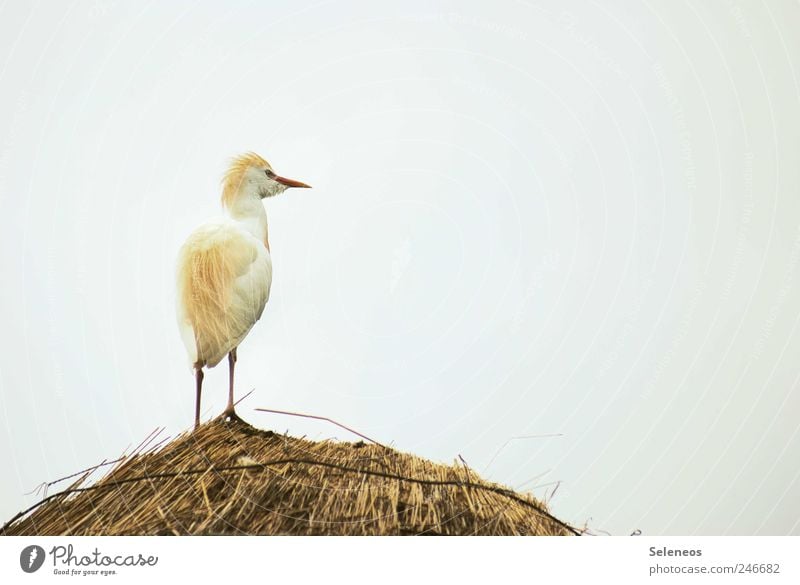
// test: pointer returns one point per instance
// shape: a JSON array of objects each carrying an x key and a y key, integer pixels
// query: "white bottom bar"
[{"x": 354, "y": 560}]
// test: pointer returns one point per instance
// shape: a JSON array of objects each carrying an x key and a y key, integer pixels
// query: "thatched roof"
[{"x": 228, "y": 477}]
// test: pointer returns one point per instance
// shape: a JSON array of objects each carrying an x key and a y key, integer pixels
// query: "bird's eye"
[{"x": 270, "y": 174}]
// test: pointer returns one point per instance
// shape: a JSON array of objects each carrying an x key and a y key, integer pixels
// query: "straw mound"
[{"x": 231, "y": 478}]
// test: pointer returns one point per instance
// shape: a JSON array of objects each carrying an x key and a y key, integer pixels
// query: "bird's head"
[{"x": 250, "y": 175}]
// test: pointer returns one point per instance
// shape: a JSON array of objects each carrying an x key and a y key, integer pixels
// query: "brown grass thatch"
[{"x": 231, "y": 478}]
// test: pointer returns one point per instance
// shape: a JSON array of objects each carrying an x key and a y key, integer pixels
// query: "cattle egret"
[{"x": 225, "y": 271}]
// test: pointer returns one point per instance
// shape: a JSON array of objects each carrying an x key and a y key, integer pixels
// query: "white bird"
[{"x": 225, "y": 271}]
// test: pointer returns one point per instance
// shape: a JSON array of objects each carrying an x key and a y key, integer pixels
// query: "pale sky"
[{"x": 528, "y": 218}]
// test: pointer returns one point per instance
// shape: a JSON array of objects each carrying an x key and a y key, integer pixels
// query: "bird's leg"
[
  {"x": 229, "y": 411},
  {"x": 199, "y": 379}
]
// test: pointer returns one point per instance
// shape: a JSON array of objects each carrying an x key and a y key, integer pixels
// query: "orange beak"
[{"x": 290, "y": 182}]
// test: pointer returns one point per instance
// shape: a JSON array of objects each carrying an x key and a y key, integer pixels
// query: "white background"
[{"x": 528, "y": 218}]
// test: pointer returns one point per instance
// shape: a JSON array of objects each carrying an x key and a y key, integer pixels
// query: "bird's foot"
[{"x": 229, "y": 414}]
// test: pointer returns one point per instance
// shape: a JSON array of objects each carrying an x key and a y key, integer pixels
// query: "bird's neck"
[{"x": 249, "y": 212}]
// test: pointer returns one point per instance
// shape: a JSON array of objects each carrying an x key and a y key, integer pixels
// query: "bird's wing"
[{"x": 224, "y": 278}]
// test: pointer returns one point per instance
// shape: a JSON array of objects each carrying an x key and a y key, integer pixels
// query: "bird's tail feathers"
[{"x": 207, "y": 273}]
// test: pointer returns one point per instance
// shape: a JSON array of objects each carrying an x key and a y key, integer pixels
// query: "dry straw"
[{"x": 228, "y": 477}]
